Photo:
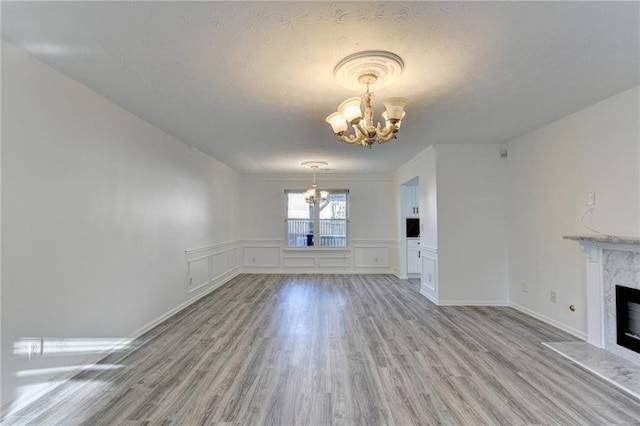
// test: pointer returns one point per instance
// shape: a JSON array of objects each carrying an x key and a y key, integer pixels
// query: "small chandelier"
[
  {"x": 365, "y": 69},
  {"x": 313, "y": 195}
]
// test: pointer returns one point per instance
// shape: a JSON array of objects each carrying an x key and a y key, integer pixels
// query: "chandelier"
[
  {"x": 367, "y": 69},
  {"x": 313, "y": 195}
]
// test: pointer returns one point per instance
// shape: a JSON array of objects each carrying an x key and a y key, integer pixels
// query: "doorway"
[{"x": 410, "y": 226}]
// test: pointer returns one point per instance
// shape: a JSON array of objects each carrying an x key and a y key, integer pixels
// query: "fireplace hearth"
[{"x": 628, "y": 317}]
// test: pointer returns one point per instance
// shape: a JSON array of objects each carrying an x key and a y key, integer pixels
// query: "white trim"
[
  {"x": 428, "y": 296},
  {"x": 387, "y": 266},
  {"x": 295, "y": 177},
  {"x": 270, "y": 242},
  {"x": 595, "y": 371},
  {"x": 309, "y": 249},
  {"x": 433, "y": 250},
  {"x": 620, "y": 246},
  {"x": 346, "y": 262},
  {"x": 428, "y": 150},
  {"x": 139, "y": 332},
  {"x": 215, "y": 252},
  {"x": 320, "y": 270},
  {"x": 226, "y": 266},
  {"x": 472, "y": 303},
  {"x": 65, "y": 377},
  {"x": 190, "y": 288},
  {"x": 211, "y": 247},
  {"x": 374, "y": 242},
  {"x": 215, "y": 161},
  {"x": 577, "y": 333},
  {"x": 290, "y": 265}
]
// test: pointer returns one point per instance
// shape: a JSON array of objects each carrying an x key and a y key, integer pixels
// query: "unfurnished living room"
[{"x": 310, "y": 213}]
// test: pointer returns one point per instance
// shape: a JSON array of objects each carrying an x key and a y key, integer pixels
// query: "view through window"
[{"x": 328, "y": 218}]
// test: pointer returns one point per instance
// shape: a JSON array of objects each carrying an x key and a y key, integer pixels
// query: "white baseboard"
[
  {"x": 577, "y": 333},
  {"x": 428, "y": 296},
  {"x": 139, "y": 332},
  {"x": 473, "y": 303},
  {"x": 314, "y": 271},
  {"x": 13, "y": 406}
]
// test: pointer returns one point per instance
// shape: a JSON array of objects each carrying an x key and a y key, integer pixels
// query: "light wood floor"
[{"x": 337, "y": 349}]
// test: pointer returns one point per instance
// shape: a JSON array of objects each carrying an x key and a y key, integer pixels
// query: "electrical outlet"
[
  {"x": 190, "y": 281},
  {"x": 35, "y": 348},
  {"x": 552, "y": 296},
  {"x": 524, "y": 287},
  {"x": 591, "y": 198}
]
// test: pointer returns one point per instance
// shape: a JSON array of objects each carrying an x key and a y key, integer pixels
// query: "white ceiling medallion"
[{"x": 385, "y": 66}]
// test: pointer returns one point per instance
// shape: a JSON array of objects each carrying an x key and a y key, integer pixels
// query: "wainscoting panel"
[
  {"x": 429, "y": 282},
  {"x": 372, "y": 257},
  {"x": 218, "y": 265},
  {"x": 198, "y": 272},
  {"x": 211, "y": 265},
  {"x": 233, "y": 262},
  {"x": 395, "y": 266},
  {"x": 298, "y": 262},
  {"x": 334, "y": 261},
  {"x": 262, "y": 257},
  {"x": 361, "y": 257}
]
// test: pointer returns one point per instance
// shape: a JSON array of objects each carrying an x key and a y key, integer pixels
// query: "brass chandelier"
[{"x": 367, "y": 69}]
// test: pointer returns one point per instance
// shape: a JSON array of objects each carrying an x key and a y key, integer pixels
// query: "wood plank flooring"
[{"x": 337, "y": 349}]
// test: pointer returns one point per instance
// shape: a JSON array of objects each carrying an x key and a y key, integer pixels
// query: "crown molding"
[{"x": 298, "y": 177}]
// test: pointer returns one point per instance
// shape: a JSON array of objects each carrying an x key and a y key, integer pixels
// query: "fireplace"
[{"x": 628, "y": 317}]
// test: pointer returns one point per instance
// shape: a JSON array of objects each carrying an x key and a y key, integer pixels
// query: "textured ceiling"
[{"x": 250, "y": 83}]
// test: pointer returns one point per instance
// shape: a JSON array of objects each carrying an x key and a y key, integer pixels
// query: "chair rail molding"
[{"x": 211, "y": 265}]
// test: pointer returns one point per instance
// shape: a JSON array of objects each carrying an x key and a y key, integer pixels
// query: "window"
[{"x": 328, "y": 218}]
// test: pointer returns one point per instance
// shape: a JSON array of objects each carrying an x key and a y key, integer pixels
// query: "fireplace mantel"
[
  {"x": 604, "y": 239},
  {"x": 606, "y": 264}
]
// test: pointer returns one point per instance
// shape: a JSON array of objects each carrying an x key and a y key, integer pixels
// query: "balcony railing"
[{"x": 333, "y": 232}]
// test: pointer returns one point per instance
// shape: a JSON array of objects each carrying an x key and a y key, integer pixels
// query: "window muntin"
[{"x": 330, "y": 218}]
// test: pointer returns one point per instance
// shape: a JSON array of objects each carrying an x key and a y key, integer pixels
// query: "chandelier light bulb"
[
  {"x": 338, "y": 122},
  {"x": 350, "y": 110},
  {"x": 388, "y": 122},
  {"x": 395, "y": 108}
]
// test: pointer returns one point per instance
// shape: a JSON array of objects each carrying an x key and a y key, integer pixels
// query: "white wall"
[
  {"x": 98, "y": 210},
  {"x": 372, "y": 223},
  {"x": 463, "y": 223},
  {"x": 549, "y": 173},
  {"x": 472, "y": 238},
  {"x": 422, "y": 166}
]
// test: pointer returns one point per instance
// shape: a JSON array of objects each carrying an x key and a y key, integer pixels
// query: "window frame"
[{"x": 316, "y": 220}]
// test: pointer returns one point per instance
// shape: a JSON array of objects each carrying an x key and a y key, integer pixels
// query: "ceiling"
[{"x": 250, "y": 83}]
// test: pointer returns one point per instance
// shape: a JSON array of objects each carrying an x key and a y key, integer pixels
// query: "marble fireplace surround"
[{"x": 611, "y": 261}]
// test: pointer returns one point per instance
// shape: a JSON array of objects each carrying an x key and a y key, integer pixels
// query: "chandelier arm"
[
  {"x": 353, "y": 139},
  {"x": 361, "y": 130},
  {"x": 386, "y": 134}
]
